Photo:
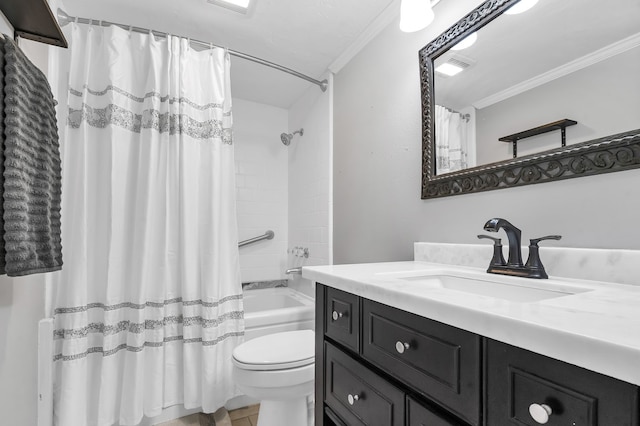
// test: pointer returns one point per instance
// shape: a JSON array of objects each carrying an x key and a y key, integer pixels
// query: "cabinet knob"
[
  {"x": 540, "y": 413},
  {"x": 352, "y": 399},
  {"x": 401, "y": 346},
  {"x": 335, "y": 315}
]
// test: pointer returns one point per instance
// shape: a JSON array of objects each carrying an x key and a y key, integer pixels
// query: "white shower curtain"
[
  {"x": 148, "y": 306},
  {"x": 451, "y": 140}
]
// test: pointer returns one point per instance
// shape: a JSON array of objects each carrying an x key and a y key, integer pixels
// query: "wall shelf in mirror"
[
  {"x": 545, "y": 128},
  {"x": 33, "y": 20}
]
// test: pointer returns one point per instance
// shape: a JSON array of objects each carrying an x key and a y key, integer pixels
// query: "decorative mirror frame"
[{"x": 604, "y": 155}]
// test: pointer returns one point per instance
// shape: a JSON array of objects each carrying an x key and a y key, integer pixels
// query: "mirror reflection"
[{"x": 573, "y": 59}]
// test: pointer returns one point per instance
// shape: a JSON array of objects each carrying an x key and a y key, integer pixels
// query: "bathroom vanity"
[{"x": 418, "y": 343}]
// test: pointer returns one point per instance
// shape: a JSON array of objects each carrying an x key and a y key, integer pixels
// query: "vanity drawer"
[
  {"x": 418, "y": 415},
  {"x": 342, "y": 318},
  {"x": 359, "y": 396},
  {"x": 437, "y": 360},
  {"x": 517, "y": 378}
]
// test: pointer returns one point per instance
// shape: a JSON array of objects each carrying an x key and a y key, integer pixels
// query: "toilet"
[{"x": 278, "y": 370}]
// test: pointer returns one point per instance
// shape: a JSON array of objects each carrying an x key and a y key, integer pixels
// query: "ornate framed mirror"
[{"x": 548, "y": 94}]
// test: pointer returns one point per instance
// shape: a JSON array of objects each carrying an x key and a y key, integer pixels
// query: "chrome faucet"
[
  {"x": 297, "y": 270},
  {"x": 513, "y": 266}
]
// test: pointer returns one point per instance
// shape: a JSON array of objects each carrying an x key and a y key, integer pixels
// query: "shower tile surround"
[
  {"x": 285, "y": 189},
  {"x": 310, "y": 193},
  {"x": 261, "y": 188}
]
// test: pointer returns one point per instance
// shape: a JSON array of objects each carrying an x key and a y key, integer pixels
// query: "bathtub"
[{"x": 272, "y": 310}]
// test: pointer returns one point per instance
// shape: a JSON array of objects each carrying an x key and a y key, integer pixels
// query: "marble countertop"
[{"x": 597, "y": 328}]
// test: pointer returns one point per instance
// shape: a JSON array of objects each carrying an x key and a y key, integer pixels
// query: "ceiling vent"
[
  {"x": 458, "y": 63},
  {"x": 453, "y": 65}
]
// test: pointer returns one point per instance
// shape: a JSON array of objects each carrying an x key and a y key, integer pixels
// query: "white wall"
[
  {"x": 21, "y": 307},
  {"x": 310, "y": 174},
  {"x": 262, "y": 188},
  {"x": 378, "y": 212}
]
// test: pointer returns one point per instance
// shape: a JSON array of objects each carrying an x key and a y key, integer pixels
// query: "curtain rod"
[{"x": 64, "y": 19}]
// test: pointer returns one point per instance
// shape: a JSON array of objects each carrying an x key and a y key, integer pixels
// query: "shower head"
[{"x": 286, "y": 137}]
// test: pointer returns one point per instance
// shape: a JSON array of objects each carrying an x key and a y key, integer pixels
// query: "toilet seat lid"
[{"x": 276, "y": 351}]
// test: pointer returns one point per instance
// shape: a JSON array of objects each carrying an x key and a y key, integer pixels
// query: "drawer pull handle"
[
  {"x": 335, "y": 315},
  {"x": 352, "y": 399},
  {"x": 402, "y": 346},
  {"x": 540, "y": 413}
]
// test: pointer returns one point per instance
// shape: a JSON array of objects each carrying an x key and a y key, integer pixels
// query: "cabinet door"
[
  {"x": 332, "y": 419},
  {"x": 342, "y": 318},
  {"x": 437, "y": 360},
  {"x": 359, "y": 396},
  {"x": 418, "y": 415},
  {"x": 524, "y": 388}
]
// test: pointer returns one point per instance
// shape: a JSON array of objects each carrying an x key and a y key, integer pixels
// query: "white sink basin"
[{"x": 516, "y": 292}]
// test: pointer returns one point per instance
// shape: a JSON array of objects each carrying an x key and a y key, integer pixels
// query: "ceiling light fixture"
[
  {"x": 415, "y": 15},
  {"x": 521, "y": 6},
  {"x": 241, "y": 6},
  {"x": 466, "y": 42}
]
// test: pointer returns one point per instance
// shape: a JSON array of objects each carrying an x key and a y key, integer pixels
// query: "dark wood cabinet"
[
  {"x": 380, "y": 366},
  {"x": 519, "y": 381},
  {"x": 418, "y": 415},
  {"x": 358, "y": 395},
  {"x": 434, "y": 359},
  {"x": 342, "y": 318}
]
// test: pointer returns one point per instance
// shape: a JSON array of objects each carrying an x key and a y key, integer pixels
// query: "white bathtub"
[{"x": 272, "y": 310}]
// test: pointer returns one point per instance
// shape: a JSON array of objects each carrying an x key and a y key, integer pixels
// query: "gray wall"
[{"x": 378, "y": 213}]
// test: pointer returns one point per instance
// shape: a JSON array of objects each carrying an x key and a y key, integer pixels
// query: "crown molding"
[
  {"x": 388, "y": 15},
  {"x": 380, "y": 23}
]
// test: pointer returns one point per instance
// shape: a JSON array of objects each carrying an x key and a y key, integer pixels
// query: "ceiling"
[{"x": 304, "y": 35}]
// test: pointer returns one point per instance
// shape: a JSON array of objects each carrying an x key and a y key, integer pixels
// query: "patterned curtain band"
[
  {"x": 100, "y": 350},
  {"x": 148, "y": 95},
  {"x": 123, "y": 329},
  {"x": 149, "y": 119}
]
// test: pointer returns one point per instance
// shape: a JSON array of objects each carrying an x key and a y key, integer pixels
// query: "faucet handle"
[
  {"x": 534, "y": 264},
  {"x": 498, "y": 257},
  {"x": 487, "y": 237},
  {"x": 535, "y": 241}
]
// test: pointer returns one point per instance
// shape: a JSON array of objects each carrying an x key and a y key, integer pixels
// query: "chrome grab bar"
[{"x": 267, "y": 236}]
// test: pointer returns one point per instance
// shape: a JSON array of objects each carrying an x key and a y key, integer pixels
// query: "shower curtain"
[
  {"x": 148, "y": 307},
  {"x": 451, "y": 140}
]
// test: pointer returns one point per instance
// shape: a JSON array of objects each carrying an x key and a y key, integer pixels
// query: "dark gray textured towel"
[{"x": 32, "y": 168}]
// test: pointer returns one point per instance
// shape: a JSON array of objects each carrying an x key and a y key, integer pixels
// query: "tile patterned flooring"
[
  {"x": 247, "y": 416},
  {"x": 192, "y": 420}
]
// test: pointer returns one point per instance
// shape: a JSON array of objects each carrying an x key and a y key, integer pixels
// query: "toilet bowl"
[{"x": 278, "y": 370}]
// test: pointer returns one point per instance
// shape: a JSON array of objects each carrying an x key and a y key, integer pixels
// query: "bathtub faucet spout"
[{"x": 297, "y": 270}]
